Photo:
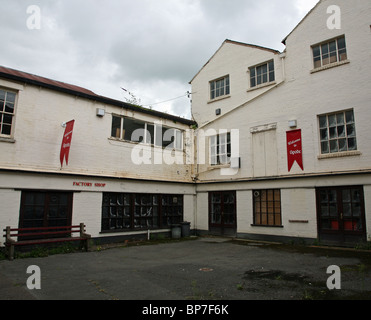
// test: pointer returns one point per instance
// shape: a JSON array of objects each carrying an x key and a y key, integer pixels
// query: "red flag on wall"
[
  {"x": 294, "y": 149},
  {"x": 66, "y": 142}
]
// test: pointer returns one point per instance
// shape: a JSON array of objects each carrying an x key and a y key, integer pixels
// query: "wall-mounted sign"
[
  {"x": 89, "y": 184},
  {"x": 294, "y": 149},
  {"x": 66, "y": 142}
]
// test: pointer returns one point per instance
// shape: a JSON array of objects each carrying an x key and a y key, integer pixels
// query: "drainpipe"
[{"x": 283, "y": 56}]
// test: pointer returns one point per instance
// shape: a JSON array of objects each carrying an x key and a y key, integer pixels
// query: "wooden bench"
[{"x": 42, "y": 235}]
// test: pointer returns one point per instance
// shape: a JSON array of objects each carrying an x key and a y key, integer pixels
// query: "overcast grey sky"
[{"x": 151, "y": 48}]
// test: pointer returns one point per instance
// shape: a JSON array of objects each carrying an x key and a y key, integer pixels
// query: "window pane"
[
  {"x": 179, "y": 140},
  {"x": 134, "y": 130},
  {"x": 323, "y": 122},
  {"x": 350, "y": 116},
  {"x": 333, "y": 133},
  {"x": 341, "y": 131},
  {"x": 212, "y": 95},
  {"x": 334, "y": 146},
  {"x": 116, "y": 127},
  {"x": 6, "y": 129},
  {"x": 168, "y": 138},
  {"x": 324, "y": 134},
  {"x": 340, "y": 118},
  {"x": 271, "y": 66},
  {"x": 351, "y": 130},
  {"x": 352, "y": 144},
  {"x": 7, "y": 119},
  {"x": 253, "y": 82},
  {"x": 332, "y": 120},
  {"x": 9, "y": 107},
  {"x": 10, "y": 97},
  {"x": 150, "y": 134},
  {"x": 158, "y": 140},
  {"x": 343, "y": 145},
  {"x": 316, "y": 51},
  {"x": 341, "y": 43},
  {"x": 324, "y": 48},
  {"x": 272, "y": 76}
]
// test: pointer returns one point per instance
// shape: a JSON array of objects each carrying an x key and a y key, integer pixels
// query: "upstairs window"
[
  {"x": 219, "y": 88},
  {"x": 134, "y": 130},
  {"x": 7, "y": 107},
  {"x": 338, "y": 132},
  {"x": 329, "y": 52},
  {"x": 261, "y": 74}
]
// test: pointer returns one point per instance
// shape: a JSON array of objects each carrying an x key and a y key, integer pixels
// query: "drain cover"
[{"x": 206, "y": 269}]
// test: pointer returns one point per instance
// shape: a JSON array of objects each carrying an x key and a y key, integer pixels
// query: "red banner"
[
  {"x": 66, "y": 142},
  {"x": 294, "y": 149}
]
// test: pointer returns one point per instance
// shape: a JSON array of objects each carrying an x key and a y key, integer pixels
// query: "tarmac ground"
[{"x": 206, "y": 268}]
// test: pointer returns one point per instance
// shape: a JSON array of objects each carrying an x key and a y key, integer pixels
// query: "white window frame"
[
  {"x": 337, "y": 133},
  {"x": 4, "y": 113},
  {"x": 176, "y": 144},
  {"x": 341, "y": 54},
  {"x": 220, "y": 149},
  {"x": 220, "y": 87},
  {"x": 270, "y": 74}
]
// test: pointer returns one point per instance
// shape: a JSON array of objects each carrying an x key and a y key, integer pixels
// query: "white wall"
[
  {"x": 87, "y": 200},
  {"x": 302, "y": 97},
  {"x": 9, "y": 212},
  {"x": 38, "y": 137},
  {"x": 233, "y": 59}
]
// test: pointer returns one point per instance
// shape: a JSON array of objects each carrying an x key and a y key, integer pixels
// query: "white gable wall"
[{"x": 231, "y": 59}]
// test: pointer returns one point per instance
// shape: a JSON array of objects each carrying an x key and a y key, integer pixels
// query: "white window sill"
[
  {"x": 260, "y": 86},
  {"x": 7, "y": 140},
  {"x": 339, "y": 155},
  {"x": 329, "y": 66},
  {"x": 219, "y": 98},
  {"x": 143, "y": 144}
]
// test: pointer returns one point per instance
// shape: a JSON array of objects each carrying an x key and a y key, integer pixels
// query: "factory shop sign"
[{"x": 89, "y": 184}]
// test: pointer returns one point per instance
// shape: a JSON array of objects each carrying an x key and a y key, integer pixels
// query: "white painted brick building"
[
  {"x": 320, "y": 86},
  {"x": 258, "y": 111}
]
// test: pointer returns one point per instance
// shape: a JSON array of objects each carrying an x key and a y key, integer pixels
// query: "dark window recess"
[
  {"x": 127, "y": 211},
  {"x": 45, "y": 209}
]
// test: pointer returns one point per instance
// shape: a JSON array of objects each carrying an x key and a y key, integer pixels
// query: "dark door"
[
  {"x": 45, "y": 209},
  {"x": 222, "y": 213},
  {"x": 341, "y": 215}
]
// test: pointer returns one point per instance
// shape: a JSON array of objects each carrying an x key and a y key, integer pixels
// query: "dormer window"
[{"x": 261, "y": 74}]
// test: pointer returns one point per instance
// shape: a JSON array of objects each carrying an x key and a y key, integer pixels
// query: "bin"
[
  {"x": 176, "y": 231},
  {"x": 186, "y": 229}
]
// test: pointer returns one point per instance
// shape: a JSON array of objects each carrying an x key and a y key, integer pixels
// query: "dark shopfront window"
[
  {"x": 45, "y": 209},
  {"x": 128, "y": 211}
]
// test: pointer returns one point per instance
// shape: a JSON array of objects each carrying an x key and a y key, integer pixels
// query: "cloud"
[{"x": 152, "y": 48}]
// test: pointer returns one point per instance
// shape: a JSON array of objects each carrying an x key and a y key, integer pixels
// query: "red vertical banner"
[
  {"x": 294, "y": 149},
  {"x": 66, "y": 142}
]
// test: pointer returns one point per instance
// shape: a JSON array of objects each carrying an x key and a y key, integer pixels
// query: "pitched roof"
[
  {"x": 23, "y": 77},
  {"x": 235, "y": 43}
]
